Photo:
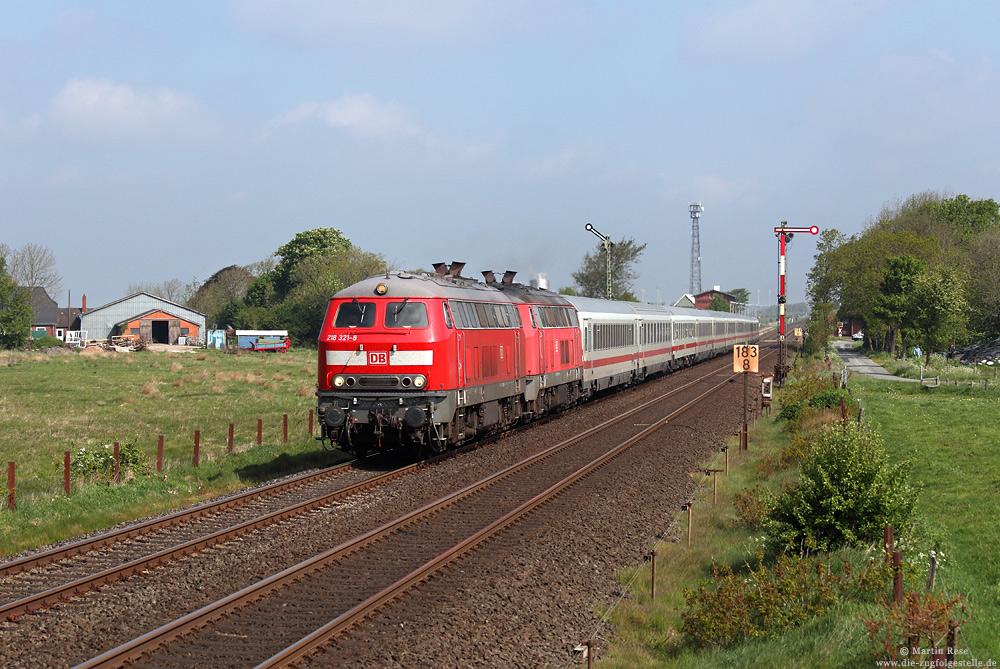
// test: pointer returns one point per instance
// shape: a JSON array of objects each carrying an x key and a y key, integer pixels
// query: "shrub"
[
  {"x": 99, "y": 461},
  {"x": 921, "y": 617},
  {"x": 830, "y": 399},
  {"x": 753, "y": 504},
  {"x": 768, "y": 602},
  {"x": 810, "y": 381},
  {"x": 791, "y": 410},
  {"x": 48, "y": 341},
  {"x": 846, "y": 493}
]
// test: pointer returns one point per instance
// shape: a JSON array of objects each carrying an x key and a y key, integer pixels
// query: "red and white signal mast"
[{"x": 785, "y": 234}]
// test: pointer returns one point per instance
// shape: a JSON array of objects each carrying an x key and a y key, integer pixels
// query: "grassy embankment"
[
  {"x": 951, "y": 437},
  {"x": 54, "y": 403}
]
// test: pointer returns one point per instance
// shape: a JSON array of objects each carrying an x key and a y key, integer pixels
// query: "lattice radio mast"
[{"x": 695, "y": 208}]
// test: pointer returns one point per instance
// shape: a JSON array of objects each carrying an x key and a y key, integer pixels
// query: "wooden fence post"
[
  {"x": 11, "y": 501},
  {"x": 897, "y": 577},
  {"x": 117, "y": 464},
  {"x": 66, "y": 473},
  {"x": 229, "y": 444},
  {"x": 260, "y": 431},
  {"x": 159, "y": 454},
  {"x": 197, "y": 446}
]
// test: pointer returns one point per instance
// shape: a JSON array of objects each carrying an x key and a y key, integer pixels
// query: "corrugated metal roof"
[{"x": 100, "y": 323}]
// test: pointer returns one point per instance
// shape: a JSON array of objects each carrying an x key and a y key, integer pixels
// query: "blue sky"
[{"x": 146, "y": 141}]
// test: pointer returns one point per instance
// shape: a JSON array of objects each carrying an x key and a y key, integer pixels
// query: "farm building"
[
  {"x": 50, "y": 319},
  {"x": 146, "y": 317},
  {"x": 44, "y": 312},
  {"x": 702, "y": 300}
]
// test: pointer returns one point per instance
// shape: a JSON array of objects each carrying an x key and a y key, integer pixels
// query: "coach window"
[
  {"x": 406, "y": 315},
  {"x": 447, "y": 315},
  {"x": 355, "y": 314}
]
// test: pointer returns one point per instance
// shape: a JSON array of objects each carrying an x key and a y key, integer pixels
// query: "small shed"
[
  {"x": 215, "y": 339},
  {"x": 145, "y": 317},
  {"x": 246, "y": 338}
]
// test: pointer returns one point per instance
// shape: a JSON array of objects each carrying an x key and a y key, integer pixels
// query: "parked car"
[{"x": 858, "y": 336}]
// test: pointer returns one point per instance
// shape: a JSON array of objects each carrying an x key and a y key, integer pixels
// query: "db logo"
[{"x": 378, "y": 357}]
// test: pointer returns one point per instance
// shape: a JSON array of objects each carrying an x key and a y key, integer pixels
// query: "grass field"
[
  {"x": 57, "y": 403},
  {"x": 951, "y": 435},
  {"x": 51, "y": 404}
]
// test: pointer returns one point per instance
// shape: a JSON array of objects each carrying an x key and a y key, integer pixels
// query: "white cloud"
[
  {"x": 366, "y": 118},
  {"x": 97, "y": 109},
  {"x": 362, "y": 115}
]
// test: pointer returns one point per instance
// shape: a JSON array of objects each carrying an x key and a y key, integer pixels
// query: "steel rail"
[
  {"x": 154, "y": 525},
  {"x": 76, "y": 588},
  {"x": 149, "y": 642},
  {"x": 309, "y": 644}
]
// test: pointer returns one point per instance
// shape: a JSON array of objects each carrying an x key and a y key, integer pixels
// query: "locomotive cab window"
[
  {"x": 406, "y": 314},
  {"x": 355, "y": 315}
]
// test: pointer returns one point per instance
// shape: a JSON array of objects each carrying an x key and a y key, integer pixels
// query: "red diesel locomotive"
[{"x": 428, "y": 361}]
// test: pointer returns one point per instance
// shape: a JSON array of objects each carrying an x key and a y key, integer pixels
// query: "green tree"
[
  {"x": 938, "y": 310},
  {"x": 15, "y": 310},
  {"x": 719, "y": 303},
  {"x": 984, "y": 283},
  {"x": 894, "y": 301},
  {"x": 965, "y": 215},
  {"x": 822, "y": 321},
  {"x": 826, "y": 276},
  {"x": 228, "y": 284},
  {"x": 740, "y": 295},
  {"x": 591, "y": 278},
  {"x": 320, "y": 241}
]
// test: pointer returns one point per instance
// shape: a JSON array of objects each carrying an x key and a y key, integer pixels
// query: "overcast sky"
[{"x": 146, "y": 141}]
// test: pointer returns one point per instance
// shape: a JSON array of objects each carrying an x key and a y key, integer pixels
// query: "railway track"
[
  {"x": 43, "y": 579},
  {"x": 326, "y": 595}
]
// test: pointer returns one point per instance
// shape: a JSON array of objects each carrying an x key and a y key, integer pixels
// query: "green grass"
[
  {"x": 648, "y": 632},
  {"x": 951, "y": 436},
  {"x": 57, "y": 403},
  {"x": 948, "y": 371}
]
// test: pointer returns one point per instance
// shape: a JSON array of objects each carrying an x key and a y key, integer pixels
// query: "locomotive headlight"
[
  {"x": 381, "y": 289},
  {"x": 419, "y": 381},
  {"x": 338, "y": 382}
]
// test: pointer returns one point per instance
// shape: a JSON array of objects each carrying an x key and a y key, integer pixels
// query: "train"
[{"x": 428, "y": 361}]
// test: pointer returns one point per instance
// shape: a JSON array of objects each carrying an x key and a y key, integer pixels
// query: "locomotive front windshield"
[
  {"x": 406, "y": 314},
  {"x": 355, "y": 315}
]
